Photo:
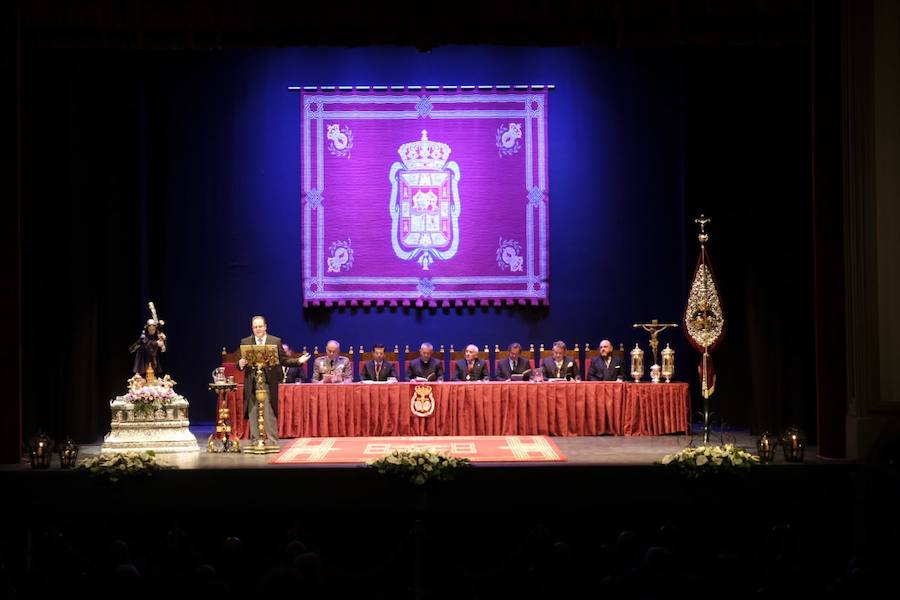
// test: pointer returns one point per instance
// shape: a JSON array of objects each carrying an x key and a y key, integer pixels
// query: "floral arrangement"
[
  {"x": 150, "y": 398},
  {"x": 419, "y": 466},
  {"x": 121, "y": 465},
  {"x": 705, "y": 460}
]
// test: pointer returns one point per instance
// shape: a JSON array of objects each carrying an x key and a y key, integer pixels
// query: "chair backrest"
[
  {"x": 391, "y": 357},
  {"x": 409, "y": 356},
  {"x": 589, "y": 355},
  {"x": 229, "y": 361}
]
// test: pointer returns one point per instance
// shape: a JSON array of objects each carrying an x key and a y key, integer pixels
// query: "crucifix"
[{"x": 654, "y": 327}]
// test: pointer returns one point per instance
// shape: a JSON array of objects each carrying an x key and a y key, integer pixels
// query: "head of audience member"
[
  {"x": 559, "y": 350},
  {"x": 471, "y": 352},
  {"x": 258, "y": 325},
  {"x": 426, "y": 351},
  {"x": 378, "y": 353},
  {"x": 332, "y": 349},
  {"x": 605, "y": 349}
]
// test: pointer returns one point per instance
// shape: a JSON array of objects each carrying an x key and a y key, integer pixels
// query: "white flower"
[{"x": 702, "y": 460}]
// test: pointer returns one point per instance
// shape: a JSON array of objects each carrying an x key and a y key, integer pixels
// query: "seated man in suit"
[
  {"x": 514, "y": 365},
  {"x": 332, "y": 368},
  {"x": 603, "y": 367},
  {"x": 471, "y": 368},
  {"x": 558, "y": 365},
  {"x": 425, "y": 367},
  {"x": 292, "y": 374},
  {"x": 378, "y": 369}
]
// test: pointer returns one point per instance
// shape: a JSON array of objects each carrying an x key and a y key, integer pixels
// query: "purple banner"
[{"x": 427, "y": 198}]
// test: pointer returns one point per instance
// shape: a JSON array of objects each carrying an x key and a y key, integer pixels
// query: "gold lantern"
[
  {"x": 765, "y": 445},
  {"x": 637, "y": 363},
  {"x": 68, "y": 454},
  {"x": 41, "y": 451},
  {"x": 793, "y": 441},
  {"x": 668, "y": 365}
]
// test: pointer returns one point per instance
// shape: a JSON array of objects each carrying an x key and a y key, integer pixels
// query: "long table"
[{"x": 484, "y": 408}]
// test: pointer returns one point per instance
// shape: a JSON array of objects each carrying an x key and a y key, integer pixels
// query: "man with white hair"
[
  {"x": 471, "y": 368},
  {"x": 332, "y": 368},
  {"x": 558, "y": 365}
]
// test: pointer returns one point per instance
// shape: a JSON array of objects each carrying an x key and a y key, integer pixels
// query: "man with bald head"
[
  {"x": 471, "y": 368},
  {"x": 332, "y": 368},
  {"x": 603, "y": 367}
]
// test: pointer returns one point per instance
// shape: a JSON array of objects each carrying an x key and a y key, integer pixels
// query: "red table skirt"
[{"x": 496, "y": 408}]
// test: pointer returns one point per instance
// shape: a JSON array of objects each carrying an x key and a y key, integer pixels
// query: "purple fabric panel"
[{"x": 424, "y": 198}]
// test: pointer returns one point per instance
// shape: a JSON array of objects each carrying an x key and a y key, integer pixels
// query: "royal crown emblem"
[
  {"x": 424, "y": 154},
  {"x": 422, "y": 402},
  {"x": 425, "y": 204}
]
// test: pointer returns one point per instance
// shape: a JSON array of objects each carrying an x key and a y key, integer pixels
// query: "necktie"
[
  {"x": 469, "y": 372},
  {"x": 259, "y": 342},
  {"x": 377, "y": 370}
]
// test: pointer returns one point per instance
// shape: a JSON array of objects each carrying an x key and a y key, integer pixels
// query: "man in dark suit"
[
  {"x": 378, "y": 369},
  {"x": 291, "y": 374},
  {"x": 425, "y": 367},
  {"x": 273, "y": 376},
  {"x": 603, "y": 367},
  {"x": 558, "y": 365},
  {"x": 471, "y": 368},
  {"x": 515, "y": 364}
]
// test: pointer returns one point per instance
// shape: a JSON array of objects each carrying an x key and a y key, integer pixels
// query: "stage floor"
[{"x": 579, "y": 451}]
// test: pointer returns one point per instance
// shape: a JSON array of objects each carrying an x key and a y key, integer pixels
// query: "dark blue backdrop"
[
  {"x": 232, "y": 208},
  {"x": 174, "y": 176}
]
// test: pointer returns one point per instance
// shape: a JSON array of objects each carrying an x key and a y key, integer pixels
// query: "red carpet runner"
[{"x": 509, "y": 448}]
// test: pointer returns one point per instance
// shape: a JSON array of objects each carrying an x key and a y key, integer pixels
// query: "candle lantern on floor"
[
  {"x": 668, "y": 363},
  {"x": 637, "y": 363},
  {"x": 765, "y": 446},
  {"x": 68, "y": 454},
  {"x": 793, "y": 442},
  {"x": 41, "y": 449}
]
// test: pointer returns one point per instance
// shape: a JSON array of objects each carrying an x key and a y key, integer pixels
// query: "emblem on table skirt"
[
  {"x": 422, "y": 402},
  {"x": 425, "y": 204}
]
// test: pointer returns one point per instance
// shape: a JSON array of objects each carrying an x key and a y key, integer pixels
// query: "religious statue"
[{"x": 148, "y": 348}]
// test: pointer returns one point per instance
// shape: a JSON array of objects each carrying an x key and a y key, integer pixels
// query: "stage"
[{"x": 599, "y": 470}]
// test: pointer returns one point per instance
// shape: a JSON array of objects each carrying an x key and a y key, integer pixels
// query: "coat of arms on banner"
[
  {"x": 425, "y": 203},
  {"x": 422, "y": 234},
  {"x": 422, "y": 402}
]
